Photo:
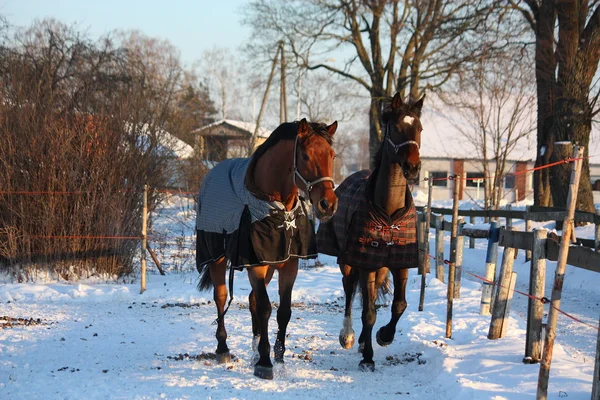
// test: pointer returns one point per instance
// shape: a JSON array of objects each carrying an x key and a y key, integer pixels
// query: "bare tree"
[
  {"x": 566, "y": 91},
  {"x": 388, "y": 45},
  {"x": 495, "y": 108}
]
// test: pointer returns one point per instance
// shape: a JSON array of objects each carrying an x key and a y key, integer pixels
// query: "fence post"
[
  {"x": 597, "y": 237},
  {"x": 426, "y": 259},
  {"x": 527, "y": 229},
  {"x": 452, "y": 267},
  {"x": 472, "y": 240},
  {"x": 439, "y": 247},
  {"x": 596, "y": 380},
  {"x": 490, "y": 270},
  {"x": 460, "y": 245},
  {"x": 503, "y": 292},
  {"x": 420, "y": 241},
  {"x": 559, "y": 276},
  {"x": 508, "y": 219},
  {"x": 535, "y": 308},
  {"x": 144, "y": 228}
]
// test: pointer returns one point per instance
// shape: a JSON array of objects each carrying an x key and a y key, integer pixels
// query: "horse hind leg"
[
  {"x": 217, "y": 274},
  {"x": 349, "y": 281},
  {"x": 385, "y": 335}
]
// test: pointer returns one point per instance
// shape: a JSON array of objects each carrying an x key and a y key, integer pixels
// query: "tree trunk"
[
  {"x": 375, "y": 132},
  {"x": 545, "y": 65}
]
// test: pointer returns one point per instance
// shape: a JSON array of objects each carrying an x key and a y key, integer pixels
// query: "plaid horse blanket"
[
  {"x": 362, "y": 235},
  {"x": 234, "y": 222}
]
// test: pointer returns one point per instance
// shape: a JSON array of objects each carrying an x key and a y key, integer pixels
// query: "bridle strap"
[
  {"x": 398, "y": 146},
  {"x": 307, "y": 184}
]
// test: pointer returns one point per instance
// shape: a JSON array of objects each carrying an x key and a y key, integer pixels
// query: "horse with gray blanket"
[
  {"x": 374, "y": 228},
  {"x": 250, "y": 215}
]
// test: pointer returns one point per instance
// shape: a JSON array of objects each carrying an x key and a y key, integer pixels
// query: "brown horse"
[
  {"x": 373, "y": 231},
  {"x": 250, "y": 215}
]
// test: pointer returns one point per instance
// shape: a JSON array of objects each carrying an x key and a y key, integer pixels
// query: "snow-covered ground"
[{"x": 97, "y": 340}]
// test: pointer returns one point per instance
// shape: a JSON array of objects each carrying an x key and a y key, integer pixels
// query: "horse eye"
[{"x": 305, "y": 157}]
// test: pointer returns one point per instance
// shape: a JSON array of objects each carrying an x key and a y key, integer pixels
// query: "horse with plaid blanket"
[{"x": 373, "y": 232}]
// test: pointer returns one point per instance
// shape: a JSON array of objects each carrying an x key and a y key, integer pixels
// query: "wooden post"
[
  {"x": 452, "y": 268},
  {"x": 426, "y": 262},
  {"x": 460, "y": 245},
  {"x": 596, "y": 380},
  {"x": 490, "y": 270},
  {"x": 535, "y": 308},
  {"x": 144, "y": 228},
  {"x": 420, "y": 241},
  {"x": 511, "y": 292},
  {"x": 472, "y": 240},
  {"x": 527, "y": 229},
  {"x": 439, "y": 247},
  {"x": 508, "y": 219},
  {"x": 501, "y": 303},
  {"x": 563, "y": 252},
  {"x": 252, "y": 143},
  {"x": 597, "y": 237}
]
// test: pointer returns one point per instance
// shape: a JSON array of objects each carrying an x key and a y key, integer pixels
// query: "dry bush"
[{"x": 83, "y": 121}]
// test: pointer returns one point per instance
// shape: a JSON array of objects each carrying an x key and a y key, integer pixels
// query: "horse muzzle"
[
  {"x": 411, "y": 171},
  {"x": 326, "y": 208}
]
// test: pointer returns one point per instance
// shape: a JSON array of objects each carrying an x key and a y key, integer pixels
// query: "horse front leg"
[
  {"x": 257, "y": 275},
  {"x": 252, "y": 307},
  {"x": 369, "y": 315},
  {"x": 217, "y": 275},
  {"x": 287, "y": 277},
  {"x": 385, "y": 335},
  {"x": 349, "y": 282}
]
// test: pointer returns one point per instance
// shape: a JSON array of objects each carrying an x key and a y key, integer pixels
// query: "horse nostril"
[{"x": 324, "y": 204}]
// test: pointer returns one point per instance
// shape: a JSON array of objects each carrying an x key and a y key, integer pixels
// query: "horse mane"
[{"x": 289, "y": 131}]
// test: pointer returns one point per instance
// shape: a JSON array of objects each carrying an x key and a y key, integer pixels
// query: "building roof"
[
  {"x": 246, "y": 127},
  {"x": 441, "y": 138}
]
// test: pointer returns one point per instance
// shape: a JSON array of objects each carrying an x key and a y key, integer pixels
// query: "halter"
[
  {"x": 309, "y": 185},
  {"x": 398, "y": 146}
]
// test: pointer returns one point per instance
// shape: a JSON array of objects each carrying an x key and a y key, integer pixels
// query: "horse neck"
[
  {"x": 274, "y": 173},
  {"x": 390, "y": 186}
]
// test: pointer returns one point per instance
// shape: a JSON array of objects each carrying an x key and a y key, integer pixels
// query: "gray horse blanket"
[
  {"x": 362, "y": 235},
  {"x": 234, "y": 222}
]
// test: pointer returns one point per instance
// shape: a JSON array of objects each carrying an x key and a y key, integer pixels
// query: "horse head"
[
  {"x": 403, "y": 134},
  {"x": 313, "y": 166}
]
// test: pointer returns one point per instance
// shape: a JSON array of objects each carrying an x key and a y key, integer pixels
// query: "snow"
[{"x": 100, "y": 340}]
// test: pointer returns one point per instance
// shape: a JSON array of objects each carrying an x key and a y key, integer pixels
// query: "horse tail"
[
  {"x": 205, "y": 282},
  {"x": 385, "y": 289}
]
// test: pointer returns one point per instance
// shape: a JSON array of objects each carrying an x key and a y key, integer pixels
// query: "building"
[{"x": 227, "y": 139}]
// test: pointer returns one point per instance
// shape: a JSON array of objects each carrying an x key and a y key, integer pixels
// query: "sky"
[{"x": 192, "y": 26}]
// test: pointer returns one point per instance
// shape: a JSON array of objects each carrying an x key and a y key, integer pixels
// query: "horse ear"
[
  {"x": 332, "y": 128},
  {"x": 303, "y": 127},
  {"x": 418, "y": 105},
  {"x": 396, "y": 101}
]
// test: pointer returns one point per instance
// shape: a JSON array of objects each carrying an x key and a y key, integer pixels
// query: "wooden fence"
[{"x": 498, "y": 289}]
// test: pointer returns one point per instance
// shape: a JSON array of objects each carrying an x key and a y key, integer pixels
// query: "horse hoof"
[
  {"x": 361, "y": 347},
  {"x": 380, "y": 341},
  {"x": 223, "y": 358},
  {"x": 347, "y": 341},
  {"x": 367, "y": 366},
  {"x": 263, "y": 372}
]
